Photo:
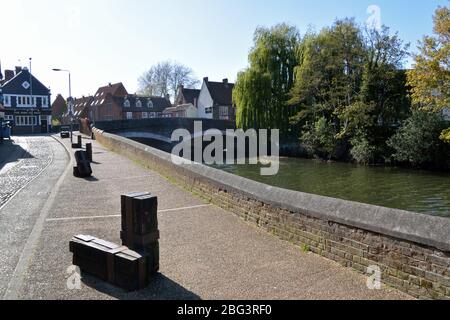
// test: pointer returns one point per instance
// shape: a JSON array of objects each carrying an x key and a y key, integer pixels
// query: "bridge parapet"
[{"x": 162, "y": 126}]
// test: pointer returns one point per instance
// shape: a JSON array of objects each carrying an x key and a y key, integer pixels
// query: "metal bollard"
[
  {"x": 80, "y": 141},
  {"x": 89, "y": 151}
]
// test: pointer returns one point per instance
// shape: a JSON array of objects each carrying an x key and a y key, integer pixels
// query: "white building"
[{"x": 216, "y": 100}]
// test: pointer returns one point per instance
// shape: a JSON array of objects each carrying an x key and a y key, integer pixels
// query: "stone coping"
[{"x": 423, "y": 229}]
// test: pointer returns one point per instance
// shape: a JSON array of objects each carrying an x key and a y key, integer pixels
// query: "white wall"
[{"x": 204, "y": 101}]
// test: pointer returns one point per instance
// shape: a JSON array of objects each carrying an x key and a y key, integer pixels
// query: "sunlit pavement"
[{"x": 206, "y": 252}]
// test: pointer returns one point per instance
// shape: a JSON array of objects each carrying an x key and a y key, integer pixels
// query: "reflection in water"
[{"x": 417, "y": 191}]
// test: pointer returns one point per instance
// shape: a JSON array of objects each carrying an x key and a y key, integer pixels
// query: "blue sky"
[{"x": 103, "y": 41}]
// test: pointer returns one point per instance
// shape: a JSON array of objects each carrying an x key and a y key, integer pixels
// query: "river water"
[{"x": 412, "y": 190}]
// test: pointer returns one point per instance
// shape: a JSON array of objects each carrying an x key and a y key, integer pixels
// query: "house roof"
[
  {"x": 190, "y": 95},
  {"x": 158, "y": 104},
  {"x": 221, "y": 92},
  {"x": 115, "y": 90},
  {"x": 181, "y": 107},
  {"x": 81, "y": 104},
  {"x": 16, "y": 85}
]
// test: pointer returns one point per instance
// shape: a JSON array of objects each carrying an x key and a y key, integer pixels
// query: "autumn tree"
[{"x": 430, "y": 77}]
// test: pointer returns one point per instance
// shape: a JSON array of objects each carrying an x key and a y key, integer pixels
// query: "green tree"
[
  {"x": 418, "y": 143},
  {"x": 328, "y": 79},
  {"x": 383, "y": 101},
  {"x": 430, "y": 77},
  {"x": 261, "y": 91}
]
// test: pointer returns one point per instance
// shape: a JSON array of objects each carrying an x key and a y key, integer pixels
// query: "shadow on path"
[
  {"x": 160, "y": 288},
  {"x": 12, "y": 152}
]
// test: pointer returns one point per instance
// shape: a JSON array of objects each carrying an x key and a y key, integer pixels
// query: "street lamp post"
[{"x": 69, "y": 102}]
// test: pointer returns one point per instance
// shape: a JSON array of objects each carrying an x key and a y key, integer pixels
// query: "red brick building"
[{"x": 59, "y": 108}]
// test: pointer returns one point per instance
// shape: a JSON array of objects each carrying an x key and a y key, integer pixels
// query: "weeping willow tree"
[{"x": 261, "y": 91}]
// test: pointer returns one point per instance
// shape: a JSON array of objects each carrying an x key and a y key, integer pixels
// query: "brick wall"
[{"x": 414, "y": 259}]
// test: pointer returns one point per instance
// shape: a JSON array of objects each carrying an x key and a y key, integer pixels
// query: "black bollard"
[
  {"x": 80, "y": 145},
  {"x": 89, "y": 151}
]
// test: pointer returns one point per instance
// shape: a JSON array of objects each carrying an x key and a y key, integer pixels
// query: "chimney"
[
  {"x": 206, "y": 79},
  {"x": 110, "y": 85},
  {"x": 18, "y": 69},
  {"x": 9, "y": 74},
  {"x": 225, "y": 81}
]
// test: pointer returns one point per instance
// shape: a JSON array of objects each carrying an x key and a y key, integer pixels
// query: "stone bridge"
[{"x": 160, "y": 130}]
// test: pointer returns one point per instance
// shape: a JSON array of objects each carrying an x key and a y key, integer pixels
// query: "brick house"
[
  {"x": 141, "y": 107},
  {"x": 103, "y": 106},
  {"x": 59, "y": 108},
  {"x": 81, "y": 107}
]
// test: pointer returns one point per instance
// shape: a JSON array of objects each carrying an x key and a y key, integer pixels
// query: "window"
[
  {"x": 126, "y": 104},
  {"x": 23, "y": 121},
  {"x": 208, "y": 110},
  {"x": 223, "y": 113},
  {"x": 44, "y": 101},
  {"x": 150, "y": 104},
  {"x": 9, "y": 118},
  {"x": 144, "y": 115},
  {"x": 7, "y": 101},
  {"x": 139, "y": 104},
  {"x": 129, "y": 115},
  {"x": 152, "y": 115}
]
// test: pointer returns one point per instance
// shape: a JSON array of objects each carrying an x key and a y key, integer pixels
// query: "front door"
[{"x": 44, "y": 126}]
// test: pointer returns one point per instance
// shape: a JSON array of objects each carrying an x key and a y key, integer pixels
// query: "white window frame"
[
  {"x": 7, "y": 100},
  {"x": 129, "y": 115},
  {"x": 144, "y": 115},
  {"x": 223, "y": 113},
  {"x": 25, "y": 121},
  {"x": 127, "y": 104},
  {"x": 138, "y": 104}
]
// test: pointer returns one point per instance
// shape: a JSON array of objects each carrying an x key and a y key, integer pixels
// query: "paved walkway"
[
  {"x": 32, "y": 167},
  {"x": 206, "y": 252}
]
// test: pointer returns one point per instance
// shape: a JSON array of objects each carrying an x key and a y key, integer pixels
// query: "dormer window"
[
  {"x": 126, "y": 104},
  {"x": 139, "y": 104},
  {"x": 150, "y": 104}
]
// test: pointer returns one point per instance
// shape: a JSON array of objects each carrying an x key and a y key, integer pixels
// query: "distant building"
[
  {"x": 187, "y": 96},
  {"x": 103, "y": 107},
  {"x": 59, "y": 108},
  {"x": 112, "y": 102},
  {"x": 141, "y": 107},
  {"x": 181, "y": 111},
  {"x": 215, "y": 100},
  {"x": 26, "y": 101},
  {"x": 82, "y": 107}
]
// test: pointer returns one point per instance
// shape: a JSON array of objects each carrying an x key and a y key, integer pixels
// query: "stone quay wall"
[{"x": 411, "y": 250}]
